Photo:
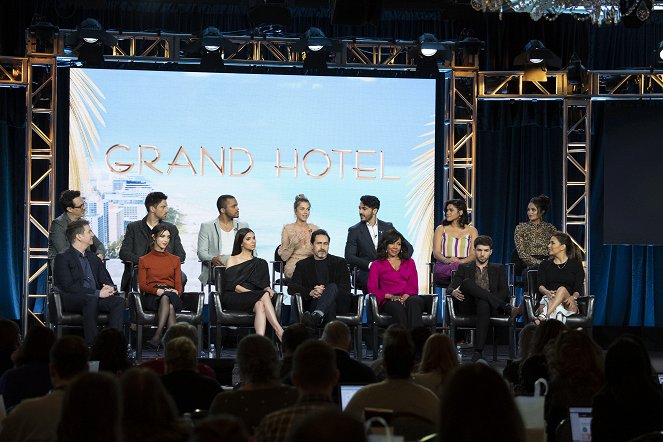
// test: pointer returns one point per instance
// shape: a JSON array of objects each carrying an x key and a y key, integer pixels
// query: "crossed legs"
[{"x": 264, "y": 311}]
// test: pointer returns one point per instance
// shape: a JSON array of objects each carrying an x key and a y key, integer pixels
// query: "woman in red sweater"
[{"x": 160, "y": 278}]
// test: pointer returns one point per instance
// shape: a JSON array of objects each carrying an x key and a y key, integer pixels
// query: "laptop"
[
  {"x": 345, "y": 392},
  {"x": 581, "y": 423},
  {"x": 660, "y": 379}
]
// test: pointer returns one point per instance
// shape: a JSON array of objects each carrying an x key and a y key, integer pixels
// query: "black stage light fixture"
[
  {"x": 659, "y": 52},
  {"x": 576, "y": 74},
  {"x": 212, "y": 47},
  {"x": 44, "y": 35},
  {"x": 429, "y": 52},
  {"x": 316, "y": 47},
  {"x": 535, "y": 60},
  {"x": 89, "y": 40}
]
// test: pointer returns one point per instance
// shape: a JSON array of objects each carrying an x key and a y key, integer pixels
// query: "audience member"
[
  {"x": 525, "y": 338},
  {"x": 175, "y": 331},
  {"x": 293, "y": 337},
  {"x": 576, "y": 374},
  {"x": 419, "y": 337},
  {"x": 314, "y": 374},
  {"x": 438, "y": 361},
  {"x": 394, "y": 282},
  {"x": 296, "y": 237},
  {"x": 261, "y": 391},
  {"x": 91, "y": 410},
  {"x": 110, "y": 349},
  {"x": 10, "y": 339},
  {"x": 337, "y": 335},
  {"x": 37, "y": 419},
  {"x": 327, "y": 426},
  {"x": 477, "y": 405},
  {"x": 323, "y": 281},
  {"x": 398, "y": 392},
  {"x": 224, "y": 428},
  {"x": 545, "y": 335},
  {"x": 30, "y": 377},
  {"x": 630, "y": 403},
  {"x": 531, "y": 370},
  {"x": 148, "y": 412},
  {"x": 188, "y": 388}
]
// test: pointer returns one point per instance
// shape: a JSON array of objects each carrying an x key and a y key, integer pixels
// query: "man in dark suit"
[
  {"x": 337, "y": 335},
  {"x": 85, "y": 283},
  {"x": 363, "y": 238},
  {"x": 480, "y": 288},
  {"x": 137, "y": 240},
  {"x": 323, "y": 280}
]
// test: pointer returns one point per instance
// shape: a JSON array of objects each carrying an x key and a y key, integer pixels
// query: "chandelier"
[{"x": 598, "y": 11}]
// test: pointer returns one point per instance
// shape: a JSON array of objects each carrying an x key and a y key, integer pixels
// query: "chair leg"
[
  {"x": 494, "y": 346},
  {"x": 452, "y": 334},
  {"x": 512, "y": 342},
  {"x": 218, "y": 337},
  {"x": 199, "y": 328},
  {"x": 58, "y": 330},
  {"x": 139, "y": 343},
  {"x": 375, "y": 342},
  {"x": 360, "y": 349}
]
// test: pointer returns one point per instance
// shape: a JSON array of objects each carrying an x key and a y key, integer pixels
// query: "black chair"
[
  {"x": 214, "y": 280},
  {"x": 381, "y": 320},
  {"x": 278, "y": 265},
  {"x": 434, "y": 284},
  {"x": 192, "y": 312},
  {"x": 462, "y": 321},
  {"x": 58, "y": 318},
  {"x": 584, "y": 319},
  {"x": 353, "y": 320}
]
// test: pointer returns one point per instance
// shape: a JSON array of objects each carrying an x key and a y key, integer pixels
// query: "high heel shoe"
[{"x": 153, "y": 345}]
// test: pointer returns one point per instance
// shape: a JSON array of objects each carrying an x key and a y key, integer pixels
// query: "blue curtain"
[
  {"x": 623, "y": 278},
  {"x": 519, "y": 155},
  {"x": 12, "y": 175}
]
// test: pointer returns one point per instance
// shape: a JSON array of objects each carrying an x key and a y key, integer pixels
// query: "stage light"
[
  {"x": 428, "y": 45},
  {"x": 212, "y": 39},
  {"x": 89, "y": 41},
  {"x": 316, "y": 40},
  {"x": 660, "y": 50},
  {"x": 575, "y": 71},
  {"x": 537, "y": 54},
  {"x": 44, "y": 33}
]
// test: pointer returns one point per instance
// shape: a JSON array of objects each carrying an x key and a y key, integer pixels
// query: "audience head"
[
  {"x": 155, "y": 202},
  {"x": 223, "y": 203},
  {"x": 477, "y": 390},
  {"x": 91, "y": 410},
  {"x": 456, "y": 209},
  {"x": 546, "y": 333},
  {"x": 537, "y": 207},
  {"x": 370, "y": 201},
  {"x": 180, "y": 354},
  {"x": 439, "y": 355},
  {"x": 76, "y": 228},
  {"x": 576, "y": 358},
  {"x": 110, "y": 349},
  {"x": 293, "y": 336},
  {"x": 10, "y": 335},
  {"x": 35, "y": 347},
  {"x": 327, "y": 426},
  {"x": 147, "y": 406},
  {"x": 181, "y": 329},
  {"x": 531, "y": 370},
  {"x": 525, "y": 340},
  {"x": 419, "y": 337},
  {"x": 239, "y": 240},
  {"x": 337, "y": 335},
  {"x": 398, "y": 352},
  {"x": 562, "y": 242},
  {"x": 223, "y": 427},
  {"x": 627, "y": 364},
  {"x": 314, "y": 367},
  {"x": 69, "y": 357},
  {"x": 390, "y": 237},
  {"x": 302, "y": 207},
  {"x": 72, "y": 202},
  {"x": 257, "y": 360}
]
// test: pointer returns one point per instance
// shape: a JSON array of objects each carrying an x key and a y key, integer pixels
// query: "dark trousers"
[
  {"x": 89, "y": 305},
  {"x": 480, "y": 302},
  {"x": 409, "y": 315},
  {"x": 326, "y": 303}
]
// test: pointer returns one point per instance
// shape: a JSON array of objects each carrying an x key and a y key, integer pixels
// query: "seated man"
[
  {"x": 337, "y": 335},
  {"x": 323, "y": 280},
  {"x": 74, "y": 209},
  {"x": 480, "y": 288},
  {"x": 398, "y": 392},
  {"x": 84, "y": 282},
  {"x": 137, "y": 240},
  {"x": 363, "y": 239}
]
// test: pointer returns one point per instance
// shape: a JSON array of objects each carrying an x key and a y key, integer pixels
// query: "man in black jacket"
[
  {"x": 480, "y": 288},
  {"x": 323, "y": 280},
  {"x": 85, "y": 283}
]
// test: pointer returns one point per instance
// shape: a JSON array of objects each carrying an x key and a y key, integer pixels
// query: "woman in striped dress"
[{"x": 453, "y": 241}]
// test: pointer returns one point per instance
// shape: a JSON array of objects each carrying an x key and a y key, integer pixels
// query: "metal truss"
[
  {"x": 13, "y": 71},
  {"x": 512, "y": 85},
  {"x": 627, "y": 84}
]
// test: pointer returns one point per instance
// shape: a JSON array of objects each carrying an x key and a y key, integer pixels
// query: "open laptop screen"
[
  {"x": 581, "y": 423},
  {"x": 346, "y": 391}
]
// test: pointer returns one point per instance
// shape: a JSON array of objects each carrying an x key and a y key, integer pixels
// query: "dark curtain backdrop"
[
  {"x": 623, "y": 278},
  {"x": 12, "y": 176},
  {"x": 519, "y": 155}
]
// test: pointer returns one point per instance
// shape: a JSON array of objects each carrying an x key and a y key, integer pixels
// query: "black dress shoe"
[
  {"x": 153, "y": 345},
  {"x": 317, "y": 318},
  {"x": 308, "y": 320}
]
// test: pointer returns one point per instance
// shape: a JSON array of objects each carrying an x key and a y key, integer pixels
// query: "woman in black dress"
[{"x": 246, "y": 284}]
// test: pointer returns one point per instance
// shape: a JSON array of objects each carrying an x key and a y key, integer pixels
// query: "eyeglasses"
[{"x": 82, "y": 206}]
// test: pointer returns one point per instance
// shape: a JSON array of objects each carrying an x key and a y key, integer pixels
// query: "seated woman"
[
  {"x": 296, "y": 237},
  {"x": 453, "y": 241},
  {"x": 246, "y": 283},
  {"x": 393, "y": 279},
  {"x": 532, "y": 237},
  {"x": 439, "y": 359},
  {"x": 160, "y": 278},
  {"x": 560, "y": 279}
]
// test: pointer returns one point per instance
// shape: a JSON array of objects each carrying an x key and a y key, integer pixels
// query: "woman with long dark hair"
[
  {"x": 453, "y": 240},
  {"x": 560, "y": 279},
  {"x": 393, "y": 280},
  {"x": 532, "y": 237},
  {"x": 246, "y": 284},
  {"x": 160, "y": 278}
]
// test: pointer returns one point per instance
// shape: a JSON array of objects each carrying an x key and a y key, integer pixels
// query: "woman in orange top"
[{"x": 160, "y": 278}]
